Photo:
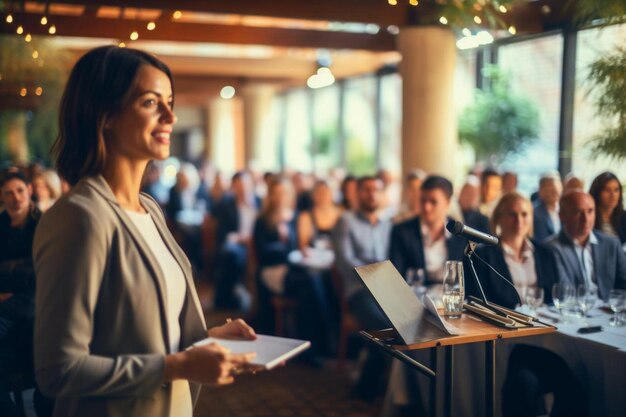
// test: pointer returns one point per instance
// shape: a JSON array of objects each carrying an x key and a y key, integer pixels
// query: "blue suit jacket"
[
  {"x": 499, "y": 292},
  {"x": 406, "y": 249},
  {"x": 609, "y": 262},
  {"x": 543, "y": 227}
]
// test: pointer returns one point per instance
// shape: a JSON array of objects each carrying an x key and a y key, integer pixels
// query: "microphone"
[{"x": 458, "y": 228}]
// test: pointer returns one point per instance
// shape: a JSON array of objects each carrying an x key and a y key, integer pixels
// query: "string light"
[
  {"x": 35, "y": 54},
  {"x": 151, "y": 26},
  {"x": 467, "y": 32},
  {"x": 443, "y": 20},
  {"x": 9, "y": 18},
  {"x": 413, "y": 2},
  {"x": 23, "y": 92},
  {"x": 478, "y": 20},
  {"x": 134, "y": 36},
  {"x": 39, "y": 91},
  {"x": 177, "y": 14},
  {"x": 121, "y": 45},
  {"x": 512, "y": 30},
  {"x": 52, "y": 30},
  {"x": 19, "y": 30},
  {"x": 503, "y": 9},
  {"x": 392, "y": 2},
  {"x": 28, "y": 38},
  {"x": 44, "y": 21}
]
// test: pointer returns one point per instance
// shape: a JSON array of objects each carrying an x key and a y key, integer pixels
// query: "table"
[
  {"x": 598, "y": 360},
  {"x": 442, "y": 378}
]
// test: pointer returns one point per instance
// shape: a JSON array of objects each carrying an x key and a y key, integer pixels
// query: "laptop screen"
[{"x": 395, "y": 298}]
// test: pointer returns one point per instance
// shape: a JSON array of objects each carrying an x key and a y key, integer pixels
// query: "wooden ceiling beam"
[
  {"x": 363, "y": 11},
  {"x": 197, "y": 32}
]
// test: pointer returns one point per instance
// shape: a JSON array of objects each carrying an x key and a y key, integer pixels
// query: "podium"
[
  {"x": 473, "y": 331},
  {"x": 413, "y": 331}
]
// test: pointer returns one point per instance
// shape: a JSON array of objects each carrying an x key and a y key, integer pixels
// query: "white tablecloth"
[{"x": 598, "y": 360}]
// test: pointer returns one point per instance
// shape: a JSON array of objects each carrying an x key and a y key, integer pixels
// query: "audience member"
[
  {"x": 509, "y": 182},
  {"x": 546, "y": 220},
  {"x": 316, "y": 225},
  {"x": 606, "y": 191},
  {"x": 362, "y": 237},
  {"x": 522, "y": 261},
  {"x": 234, "y": 215},
  {"x": 573, "y": 182},
  {"x": 274, "y": 238},
  {"x": 411, "y": 205},
  {"x": 17, "y": 281},
  {"x": 490, "y": 190},
  {"x": 349, "y": 193},
  {"x": 584, "y": 256},
  {"x": 423, "y": 243},
  {"x": 391, "y": 194},
  {"x": 302, "y": 188},
  {"x": 468, "y": 202},
  {"x": 46, "y": 189}
]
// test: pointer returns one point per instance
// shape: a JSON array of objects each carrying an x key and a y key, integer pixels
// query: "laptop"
[{"x": 398, "y": 302}]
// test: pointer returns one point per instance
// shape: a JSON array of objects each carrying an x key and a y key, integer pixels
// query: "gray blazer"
[
  {"x": 609, "y": 262},
  {"x": 100, "y": 325}
]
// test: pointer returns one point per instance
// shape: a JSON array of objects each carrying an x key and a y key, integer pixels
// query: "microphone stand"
[{"x": 469, "y": 251}]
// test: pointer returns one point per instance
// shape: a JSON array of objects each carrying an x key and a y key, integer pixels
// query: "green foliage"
[
  {"x": 607, "y": 84},
  {"x": 360, "y": 161},
  {"x": 499, "y": 122},
  {"x": 606, "y": 12}
]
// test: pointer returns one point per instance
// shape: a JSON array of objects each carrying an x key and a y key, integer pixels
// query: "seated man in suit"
[
  {"x": 585, "y": 256},
  {"x": 423, "y": 243},
  {"x": 546, "y": 220},
  {"x": 362, "y": 237},
  {"x": 468, "y": 201},
  {"x": 235, "y": 215}
]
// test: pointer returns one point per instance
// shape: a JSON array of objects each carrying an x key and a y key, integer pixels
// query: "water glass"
[
  {"x": 533, "y": 297},
  {"x": 563, "y": 295},
  {"x": 453, "y": 289},
  {"x": 586, "y": 298},
  {"x": 617, "y": 300}
]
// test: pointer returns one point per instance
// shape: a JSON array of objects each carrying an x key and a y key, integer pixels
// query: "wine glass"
[
  {"x": 617, "y": 299},
  {"x": 562, "y": 295},
  {"x": 586, "y": 298},
  {"x": 533, "y": 297}
]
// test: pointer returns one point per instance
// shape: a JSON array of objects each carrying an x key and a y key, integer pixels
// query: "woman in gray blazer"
[{"x": 116, "y": 308}]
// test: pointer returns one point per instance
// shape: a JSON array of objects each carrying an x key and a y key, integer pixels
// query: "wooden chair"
[
  {"x": 283, "y": 306},
  {"x": 348, "y": 323}
]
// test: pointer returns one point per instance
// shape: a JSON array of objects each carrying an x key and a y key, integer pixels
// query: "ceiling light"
[
  {"x": 478, "y": 20},
  {"x": 413, "y": 2},
  {"x": 52, "y": 30},
  {"x": 23, "y": 92},
  {"x": 393, "y": 2},
  {"x": 9, "y": 18},
  {"x": 467, "y": 32},
  {"x": 134, "y": 35},
  {"x": 151, "y": 26},
  {"x": 35, "y": 54},
  {"x": 227, "y": 92},
  {"x": 121, "y": 45},
  {"x": 503, "y": 9},
  {"x": 19, "y": 30},
  {"x": 443, "y": 20},
  {"x": 512, "y": 30},
  {"x": 28, "y": 38},
  {"x": 39, "y": 91},
  {"x": 44, "y": 21},
  {"x": 177, "y": 14},
  {"x": 322, "y": 78}
]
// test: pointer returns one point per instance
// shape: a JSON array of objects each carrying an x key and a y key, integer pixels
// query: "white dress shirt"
[
  {"x": 435, "y": 254},
  {"x": 585, "y": 257},
  {"x": 522, "y": 270}
]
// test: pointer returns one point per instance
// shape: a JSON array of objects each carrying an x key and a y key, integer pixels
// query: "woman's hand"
[
  {"x": 208, "y": 364},
  {"x": 233, "y": 329}
]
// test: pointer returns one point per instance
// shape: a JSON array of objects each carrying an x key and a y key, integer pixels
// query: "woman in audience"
[
  {"x": 274, "y": 238},
  {"x": 46, "y": 189},
  {"x": 116, "y": 307},
  {"x": 523, "y": 262},
  {"x": 349, "y": 198},
  {"x": 532, "y": 371},
  {"x": 606, "y": 191},
  {"x": 316, "y": 225}
]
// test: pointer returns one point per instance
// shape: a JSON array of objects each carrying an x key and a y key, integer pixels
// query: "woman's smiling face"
[{"x": 141, "y": 130}]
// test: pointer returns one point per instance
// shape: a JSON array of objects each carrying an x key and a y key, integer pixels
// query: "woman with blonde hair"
[
  {"x": 522, "y": 261},
  {"x": 46, "y": 189}
]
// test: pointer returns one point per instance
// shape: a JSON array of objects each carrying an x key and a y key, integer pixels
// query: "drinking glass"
[
  {"x": 586, "y": 298},
  {"x": 453, "y": 289},
  {"x": 562, "y": 295},
  {"x": 617, "y": 299},
  {"x": 533, "y": 297}
]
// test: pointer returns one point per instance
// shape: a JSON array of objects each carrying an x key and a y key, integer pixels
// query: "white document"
[
  {"x": 436, "y": 319},
  {"x": 270, "y": 350}
]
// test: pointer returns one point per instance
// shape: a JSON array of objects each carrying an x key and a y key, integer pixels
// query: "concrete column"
[
  {"x": 223, "y": 134},
  {"x": 17, "y": 145},
  {"x": 260, "y": 149},
  {"x": 429, "y": 125}
]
